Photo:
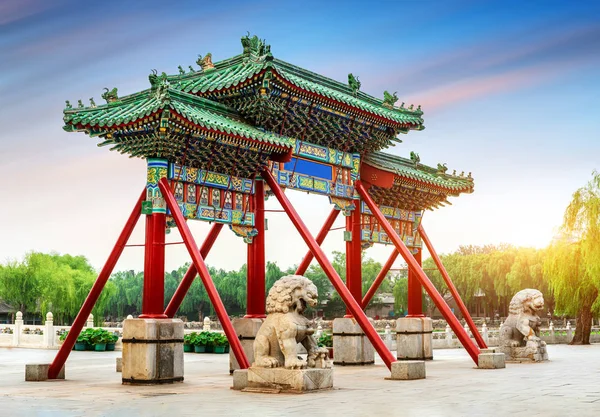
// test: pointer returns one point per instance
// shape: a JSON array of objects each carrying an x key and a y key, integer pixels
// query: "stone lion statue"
[
  {"x": 277, "y": 340},
  {"x": 520, "y": 333}
]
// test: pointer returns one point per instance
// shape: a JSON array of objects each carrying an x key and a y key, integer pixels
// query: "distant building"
[{"x": 6, "y": 312}]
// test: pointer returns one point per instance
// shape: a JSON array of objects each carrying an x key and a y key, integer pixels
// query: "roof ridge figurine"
[{"x": 389, "y": 99}]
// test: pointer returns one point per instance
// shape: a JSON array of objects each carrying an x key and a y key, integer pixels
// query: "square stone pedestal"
[
  {"x": 275, "y": 380},
  {"x": 491, "y": 361},
  {"x": 246, "y": 330},
  {"x": 152, "y": 351},
  {"x": 414, "y": 338},
  {"x": 350, "y": 344},
  {"x": 533, "y": 351},
  {"x": 406, "y": 370},
  {"x": 39, "y": 372}
]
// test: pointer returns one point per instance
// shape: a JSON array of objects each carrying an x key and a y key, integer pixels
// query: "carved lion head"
[
  {"x": 291, "y": 293},
  {"x": 527, "y": 300}
]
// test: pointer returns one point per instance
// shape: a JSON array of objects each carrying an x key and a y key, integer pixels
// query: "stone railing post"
[
  {"x": 484, "y": 333},
  {"x": 90, "y": 321},
  {"x": 552, "y": 335},
  {"x": 448, "y": 336},
  {"x": 569, "y": 332},
  {"x": 319, "y": 332},
  {"x": 466, "y": 327},
  {"x": 129, "y": 317},
  {"x": 49, "y": 330},
  {"x": 18, "y": 328},
  {"x": 388, "y": 336},
  {"x": 206, "y": 326}
]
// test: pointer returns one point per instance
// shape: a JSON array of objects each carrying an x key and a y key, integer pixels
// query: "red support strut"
[
  {"x": 320, "y": 239},
  {"x": 90, "y": 301},
  {"x": 190, "y": 275},
  {"x": 154, "y": 279},
  {"x": 380, "y": 277},
  {"x": 255, "y": 292},
  {"x": 354, "y": 257},
  {"x": 333, "y": 276},
  {"x": 462, "y": 335},
  {"x": 211, "y": 290},
  {"x": 452, "y": 288}
]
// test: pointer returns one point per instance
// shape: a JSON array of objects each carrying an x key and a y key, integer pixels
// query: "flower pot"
[
  {"x": 100, "y": 347},
  {"x": 110, "y": 347},
  {"x": 219, "y": 349},
  {"x": 209, "y": 349},
  {"x": 188, "y": 348},
  {"x": 227, "y": 349},
  {"x": 89, "y": 346},
  {"x": 80, "y": 346},
  {"x": 199, "y": 349}
]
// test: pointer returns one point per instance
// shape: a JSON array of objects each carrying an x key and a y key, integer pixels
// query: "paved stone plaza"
[{"x": 567, "y": 385}]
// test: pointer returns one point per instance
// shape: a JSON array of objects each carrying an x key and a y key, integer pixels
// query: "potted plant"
[
  {"x": 99, "y": 339},
  {"x": 188, "y": 345},
  {"x": 211, "y": 341},
  {"x": 326, "y": 340},
  {"x": 113, "y": 338},
  {"x": 220, "y": 343},
  {"x": 200, "y": 342},
  {"x": 82, "y": 341}
]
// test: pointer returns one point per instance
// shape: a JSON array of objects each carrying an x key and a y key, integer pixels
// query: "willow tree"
[{"x": 572, "y": 264}]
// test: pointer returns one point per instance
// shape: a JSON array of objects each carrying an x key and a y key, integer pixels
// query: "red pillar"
[
  {"x": 353, "y": 257},
  {"x": 415, "y": 290},
  {"x": 255, "y": 293},
  {"x": 154, "y": 267}
]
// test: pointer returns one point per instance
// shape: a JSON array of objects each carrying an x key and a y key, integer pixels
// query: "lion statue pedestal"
[
  {"x": 277, "y": 366},
  {"x": 520, "y": 334}
]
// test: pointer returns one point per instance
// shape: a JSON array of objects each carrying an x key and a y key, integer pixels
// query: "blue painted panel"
[{"x": 310, "y": 168}]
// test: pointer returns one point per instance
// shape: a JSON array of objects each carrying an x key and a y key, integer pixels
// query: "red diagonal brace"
[
  {"x": 188, "y": 278},
  {"x": 320, "y": 239},
  {"x": 90, "y": 301},
  {"x": 333, "y": 276},
  {"x": 211, "y": 290},
  {"x": 452, "y": 288},
  {"x": 380, "y": 277},
  {"x": 412, "y": 263}
]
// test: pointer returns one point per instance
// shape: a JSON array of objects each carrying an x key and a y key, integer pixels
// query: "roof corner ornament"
[
  {"x": 470, "y": 177},
  {"x": 411, "y": 107},
  {"x": 80, "y": 104},
  {"x": 354, "y": 83},
  {"x": 442, "y": 168},
  {"x": 68, "y": 105},
  {"x": 206, "y": 62},
  {"x": 415, "y": 158},
  {"x": 92, "y": 103},
  {"x": 402, "y": 105},
  {"x": 159, "y": 84},
  {"x": 255, "y": 46},
  {"x": 110, "y": 95},
  {"x": 389, "y": 99},
  {"x": 181, "y": 70},
  {"x": 454, "y": 173},
  {"x": 191, "y": 68},
  {"x": 462, "y": 174}
]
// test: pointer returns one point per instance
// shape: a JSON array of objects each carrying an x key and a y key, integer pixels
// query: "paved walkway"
[{"x": 567, "y": 385}]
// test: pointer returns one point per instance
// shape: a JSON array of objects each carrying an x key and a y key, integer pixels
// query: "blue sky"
[{"x": 510, "y": 92}]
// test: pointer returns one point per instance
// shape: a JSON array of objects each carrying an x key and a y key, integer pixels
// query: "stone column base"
[
  {"x": 406, "y": 370},
  {"x": 414, "y": 338},
  {"x": 276, "y": 380},
  {"x": 152, "y": 351},
  {"x": 350, "y": 344},
  {"x": 246, "y": 330},
  {"x": 533, "y": 351},
  {"x": 39, "y": 372},
  {"x": 491, "y": 361}
]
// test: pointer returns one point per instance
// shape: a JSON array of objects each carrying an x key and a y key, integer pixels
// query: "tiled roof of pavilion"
[
  {"x": 135, "y": 107},
  {"x": 409, "y": 169}
]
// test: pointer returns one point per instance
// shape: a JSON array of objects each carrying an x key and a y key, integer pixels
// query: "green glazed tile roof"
[
  {"x": 203, "y": 112},
  {"x": 234, "y": 71},
  {"x": 406, "y": 168}
]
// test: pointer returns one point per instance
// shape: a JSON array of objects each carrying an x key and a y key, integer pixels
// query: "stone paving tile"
[{"x": 567, "y": 385}]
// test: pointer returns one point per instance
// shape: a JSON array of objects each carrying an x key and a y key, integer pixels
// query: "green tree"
[{"x": 573, "y": 261}]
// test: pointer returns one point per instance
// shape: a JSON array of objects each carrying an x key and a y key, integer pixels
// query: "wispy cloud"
[{"x": 15, "y": 10}]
